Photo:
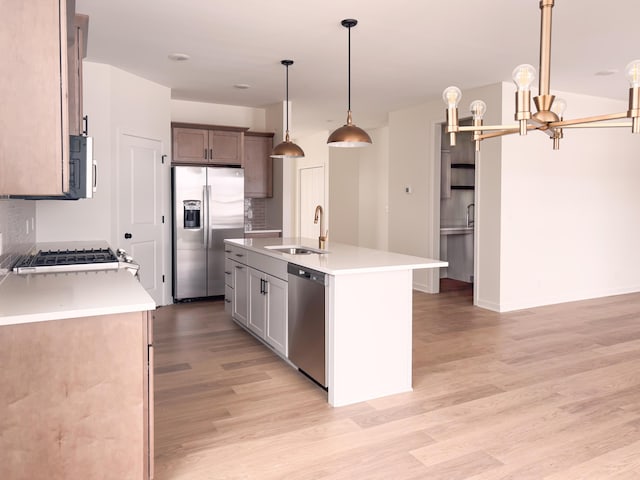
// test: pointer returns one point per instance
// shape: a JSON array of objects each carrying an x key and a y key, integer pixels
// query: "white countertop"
[
  {"x": 55, "y": 296},
  {"x": 340, "y": 258},
  {"x": 263, "y": 231}
]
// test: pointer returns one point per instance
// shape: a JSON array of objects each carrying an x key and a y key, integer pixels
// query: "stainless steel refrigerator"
[{"x": 208, "y": 206}]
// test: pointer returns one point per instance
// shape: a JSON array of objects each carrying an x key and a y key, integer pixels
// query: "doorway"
[
  {"x": 140, "y": 218},
  {"x": 311, "y": 193},
  {"x": 457, "y": 209}
]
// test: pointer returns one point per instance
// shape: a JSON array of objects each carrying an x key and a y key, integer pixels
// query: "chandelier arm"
[
  {"x": 480, "y": 128},
  {"x": 500, "y": 133},
  {"x": 600, "y": 125},
  {"x": 596, "y": 118}
]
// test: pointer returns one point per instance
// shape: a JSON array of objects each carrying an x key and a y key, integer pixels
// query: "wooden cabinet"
[
  {"x": 35, "y": 91},
  {"x": 77, "y": 398},
  {"x": 260, "y": 295},
  {"x": 240, "y": 303},
  {"x": 258, "y": 165},
  {"x": 76, "y": 51},
  {"x": 207, "y": 145},
  {"x": 277, "y": 318},
  {"x": 257, "y": 302},
  {"x": 268, "y": 309}
]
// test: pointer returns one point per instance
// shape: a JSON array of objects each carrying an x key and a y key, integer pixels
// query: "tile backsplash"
[
  {"x": 255, "y": 214},
  {"x": 17, "y": 227}
]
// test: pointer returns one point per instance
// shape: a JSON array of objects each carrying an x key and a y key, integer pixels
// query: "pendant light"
[
  {"x": 349, "y": 135},
  {"x": 287, "y": 149}
]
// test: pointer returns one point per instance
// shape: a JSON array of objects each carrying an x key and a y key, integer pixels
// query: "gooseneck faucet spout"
[{"x": 319, "y": 215}]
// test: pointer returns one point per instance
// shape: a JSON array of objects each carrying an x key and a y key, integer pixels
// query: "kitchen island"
[
  {"x": 77, "y": 384},
  {"x": 368, "y": 310}
]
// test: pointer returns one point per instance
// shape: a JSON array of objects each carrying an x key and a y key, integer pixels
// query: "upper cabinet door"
[
  {"x": 198, "y": 144},
  {"x": 190, "y": 145},
  {"x": 76, "y": 48},
  {"x": 34, "y": 149},
  {"x": 225, "y": 147},
  {"x": 258, "y": 166}
]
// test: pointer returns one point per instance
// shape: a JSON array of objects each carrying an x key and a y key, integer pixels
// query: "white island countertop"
[
  {"x": 340, "y": 258},
  {"x": 54, "y": 296}
]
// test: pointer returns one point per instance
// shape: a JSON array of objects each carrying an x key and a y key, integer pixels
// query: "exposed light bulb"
[
  {"x": 523, "y": 76},
  {"x": 478, "y": 108},
  {"x": 559, "y": 106},
  {"x": 632, "y": 72},
  {"x": 452, "y": 96}
]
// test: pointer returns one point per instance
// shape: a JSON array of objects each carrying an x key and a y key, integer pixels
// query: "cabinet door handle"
[
  {"x": 227, "y": 273},
  {"x": 239, "y": 255},
  {"x": 239, "y": 267},
  {"x": 264, "y": 290},
  {"x": 227, "y": 251},
  {"x": 227, "y": 300},
  {"x": 211, "y": 153},
  {"x": 85, "y": 121},
  {"x": 205, "y": 154},
  {"x": 127, "y": 235}
]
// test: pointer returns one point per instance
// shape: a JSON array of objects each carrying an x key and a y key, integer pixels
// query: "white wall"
[
  {"x": 87, "y": 219},
  {"x": 217, "y": 114},
  {"x": 488, "y": 194},
  {"x": 116, "y": 102},
  {"x": 344, "y": 194},
  {"x": 358, "y": 192},
  {"x": 414, "y": 156},
  {"x": 316, "y": 154},
  {"x": 373, "y": 192},
  {"x": 569, "y": 223}
]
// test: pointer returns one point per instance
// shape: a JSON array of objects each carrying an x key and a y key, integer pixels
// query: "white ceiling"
[{"x": 404, "y": 52}]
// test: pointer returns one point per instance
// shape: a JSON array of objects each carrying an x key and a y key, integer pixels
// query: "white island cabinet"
[
  {"x": 368, "y": 311},
  {"x": 257, "y": 294}
]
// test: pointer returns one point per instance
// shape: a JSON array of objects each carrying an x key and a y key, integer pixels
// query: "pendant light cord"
[
  {"x": 349, "y": 72},
  {"x": 287, "y": 94}
]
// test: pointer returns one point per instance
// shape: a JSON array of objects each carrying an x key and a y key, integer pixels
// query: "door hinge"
[
  {"x": 162, "y": 278},
  {"x": 163, "y": 157}
]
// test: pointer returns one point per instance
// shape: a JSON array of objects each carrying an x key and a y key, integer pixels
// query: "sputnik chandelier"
[{"x": 549, "y": 116}]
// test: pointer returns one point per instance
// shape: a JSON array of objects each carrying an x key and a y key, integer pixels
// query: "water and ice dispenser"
[{"x": 192, "y": 213}]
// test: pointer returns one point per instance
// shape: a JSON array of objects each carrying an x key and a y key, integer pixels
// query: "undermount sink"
[{"x": 295, "y": 249}]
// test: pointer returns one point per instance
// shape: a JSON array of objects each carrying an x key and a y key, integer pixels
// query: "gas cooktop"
[{"x": 81, "y": 259}]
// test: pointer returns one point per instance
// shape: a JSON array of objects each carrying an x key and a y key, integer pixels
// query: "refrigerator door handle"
[
  {"x": 208, "y": 226},
  {"x": 205, "y": 215}
]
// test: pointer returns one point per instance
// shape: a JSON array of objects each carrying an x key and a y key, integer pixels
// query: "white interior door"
[
  {"x": 140, "y": 208},
  {"x": 311, "y": 194}
]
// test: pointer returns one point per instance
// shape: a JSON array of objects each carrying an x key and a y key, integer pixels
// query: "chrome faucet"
[
  {"x": 322, "y": 238},
  {"x": 471, "y": 216}
]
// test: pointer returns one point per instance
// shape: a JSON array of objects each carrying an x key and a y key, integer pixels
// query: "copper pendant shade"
[
  {"x": 287, "y": 149},
  {"x": 349, "y": 135}
]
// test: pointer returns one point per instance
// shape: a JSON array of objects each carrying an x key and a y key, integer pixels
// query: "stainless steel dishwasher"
[{"x": 306, "y": 321}]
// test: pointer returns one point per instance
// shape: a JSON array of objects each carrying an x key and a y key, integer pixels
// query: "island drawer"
[
  {"x": 270, "y": 265},
  {"x": 236, "y": 253}
]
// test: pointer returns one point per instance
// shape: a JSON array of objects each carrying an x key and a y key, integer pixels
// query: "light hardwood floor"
[{"x": 547, "y": 393}]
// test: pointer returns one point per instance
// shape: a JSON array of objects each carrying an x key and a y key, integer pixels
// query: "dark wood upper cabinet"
[
  {"x": 207, "y": 145},
  {"x": 258, "y": 165}
]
